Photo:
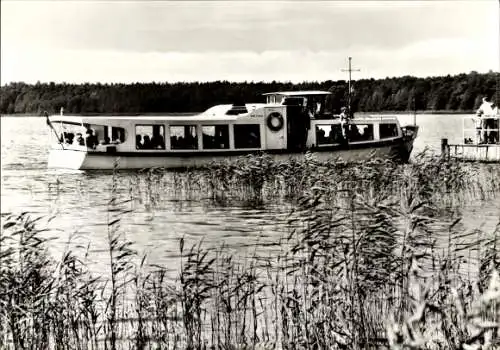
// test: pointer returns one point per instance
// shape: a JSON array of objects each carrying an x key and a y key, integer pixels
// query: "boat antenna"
[{"x": 350, "y": 70}]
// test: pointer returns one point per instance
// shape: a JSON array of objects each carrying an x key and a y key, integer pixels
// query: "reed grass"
[
  {"x": 257, "y": 179},
  {"x": 376, "y": 256}
]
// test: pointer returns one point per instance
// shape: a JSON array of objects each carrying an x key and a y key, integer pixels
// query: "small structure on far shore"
[{"x": 481, "y": 136}]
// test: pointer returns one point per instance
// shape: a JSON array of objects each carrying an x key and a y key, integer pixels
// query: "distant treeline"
[{"x": 461, "y": 92}]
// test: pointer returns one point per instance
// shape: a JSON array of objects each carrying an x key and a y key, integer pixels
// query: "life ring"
[{"x": 275, "y": 121}]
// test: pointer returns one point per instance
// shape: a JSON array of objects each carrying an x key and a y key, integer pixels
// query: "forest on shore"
[{"x": 458, "y": 93}]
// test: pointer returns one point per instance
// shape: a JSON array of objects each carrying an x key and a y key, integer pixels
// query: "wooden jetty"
[
  {"x": 481, "y": 142},
  {"x": 487, "y": 153}
]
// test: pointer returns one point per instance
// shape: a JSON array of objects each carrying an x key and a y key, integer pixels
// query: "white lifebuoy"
[{"x": 275, "y": 121}]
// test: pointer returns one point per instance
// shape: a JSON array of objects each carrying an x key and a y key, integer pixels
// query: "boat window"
[
  {"x": 149, "y": 137},
  {"x": 328, "y": 134},
  {"x": 215, "y": 136},
  {"x": 183, "y": 137},
  {"x": 247, "y": 136},
  {"x": 388, "y": 131},
  {"x": 117, "y": 135},
  {"x": 360, "y": 132},
  {"x": 71, "y": 134}
]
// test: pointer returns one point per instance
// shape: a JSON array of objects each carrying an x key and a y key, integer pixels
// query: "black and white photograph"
[{"x": 250, "y": 175}]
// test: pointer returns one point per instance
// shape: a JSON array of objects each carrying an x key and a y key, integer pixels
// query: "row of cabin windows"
[
  {"x": 333, "y": 134},
  {"x": 90, "y": 135},
  {"x": 185, "y": 137}
]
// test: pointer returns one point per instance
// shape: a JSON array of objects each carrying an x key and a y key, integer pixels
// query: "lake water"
[{"x": 79, "y": 200}]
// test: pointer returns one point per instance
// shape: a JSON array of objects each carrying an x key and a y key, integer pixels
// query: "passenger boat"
[
  {"x": 287, "y": 126},
  {"x": 481, "y": 136}
]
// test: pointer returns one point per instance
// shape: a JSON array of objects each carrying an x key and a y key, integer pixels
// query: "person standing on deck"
[
  {"x": 344, "y": 122},
  {"x": 495, "y": 124},
  {"x": 479, "y": 123}
]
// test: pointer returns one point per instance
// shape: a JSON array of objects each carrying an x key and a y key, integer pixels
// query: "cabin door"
[
  {"x": 275, "y": 126},
  {"x": 298, "y": 127}
]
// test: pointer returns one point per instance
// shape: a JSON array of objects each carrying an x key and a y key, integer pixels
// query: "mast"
[
  {"x": 350, "y": 70},
  {"x": 414, "y": 110}
]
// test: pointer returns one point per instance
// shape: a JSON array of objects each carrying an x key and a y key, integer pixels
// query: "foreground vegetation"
[
  {"x": 461, "y": 92},
  {"x": 375, "y": 256}
]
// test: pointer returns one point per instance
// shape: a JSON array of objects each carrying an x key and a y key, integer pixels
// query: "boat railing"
[{"x": 481, "y": 130}]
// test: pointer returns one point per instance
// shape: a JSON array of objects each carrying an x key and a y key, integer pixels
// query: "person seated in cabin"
[
  {"x": 208, "y": 141},
  {"x": 69, "y": 136},
  {"x": 181, "y": 143},
  {"x": 368, "y": 134},
  {"x": 79, "y": 139},
  {"x": 138, "y": 142},
  {"x": 116, "y": 141},
  {"x": 354, "y": 134},
  {"x": 91, "y": 139},
  {"x": 174, "y": 142},
  {"x": 157, "y": 141},
  {"x": 320, "y": 137},
  {"x": 189, "y": 141},
  {"x": 106, "y": 141},
  {"x": 146, "y": 144},
  {"x": 335, "y": 135}
]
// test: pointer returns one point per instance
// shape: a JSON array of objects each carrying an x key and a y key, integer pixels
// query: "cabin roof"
[
  {"x": 215, "y": 113},
  {"x": 220, "y": 110},
  {"x": 299, "y": 93},
  {"x": 139, "y": 118}
]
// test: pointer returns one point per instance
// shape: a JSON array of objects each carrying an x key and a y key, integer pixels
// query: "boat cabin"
[
  {"x": 270, "y": 127},
  {"x": 283, "y": 128}
]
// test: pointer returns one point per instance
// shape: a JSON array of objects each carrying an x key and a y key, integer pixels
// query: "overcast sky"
[{"x": 144, "y": 41}]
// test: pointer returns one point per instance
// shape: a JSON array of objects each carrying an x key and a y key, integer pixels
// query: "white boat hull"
[{"x": 88, "y": 160}]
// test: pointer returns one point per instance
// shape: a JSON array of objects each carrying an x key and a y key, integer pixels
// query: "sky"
[{"x": 144, "y": 41}]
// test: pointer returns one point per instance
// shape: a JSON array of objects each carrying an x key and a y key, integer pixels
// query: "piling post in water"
[{"x": 445, "y": 149}]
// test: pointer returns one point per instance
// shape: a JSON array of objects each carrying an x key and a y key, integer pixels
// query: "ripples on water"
[{"x": 78, "y": 200}]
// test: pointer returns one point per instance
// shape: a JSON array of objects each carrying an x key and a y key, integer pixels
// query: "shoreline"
[{"x": 417, "y": 112}]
